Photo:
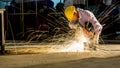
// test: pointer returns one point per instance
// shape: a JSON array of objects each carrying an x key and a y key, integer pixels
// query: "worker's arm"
[{"x": 97, "y": 27}]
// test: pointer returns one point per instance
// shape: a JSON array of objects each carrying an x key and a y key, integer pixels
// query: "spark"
[{"x": 76, "y": 45}]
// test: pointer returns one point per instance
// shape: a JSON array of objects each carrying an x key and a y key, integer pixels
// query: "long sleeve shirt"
[{"x": 87, "y": 16}]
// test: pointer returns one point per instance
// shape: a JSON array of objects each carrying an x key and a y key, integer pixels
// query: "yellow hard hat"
[{"x": 69, "y": 11}]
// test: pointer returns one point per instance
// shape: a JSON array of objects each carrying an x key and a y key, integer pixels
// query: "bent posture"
[{"x": 80, "y": 16}]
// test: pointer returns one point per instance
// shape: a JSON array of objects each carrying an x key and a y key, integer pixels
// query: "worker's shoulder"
[{"x": 86, "y": 12}]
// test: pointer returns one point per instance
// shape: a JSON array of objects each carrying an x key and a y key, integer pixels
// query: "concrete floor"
[{"x": 107, "y": 57}]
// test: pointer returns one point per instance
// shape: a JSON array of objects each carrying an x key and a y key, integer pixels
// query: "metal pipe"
[{"x": 2, "y": 30}]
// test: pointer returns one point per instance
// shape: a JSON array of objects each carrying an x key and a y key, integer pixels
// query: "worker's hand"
[{"x": 89, "y": 34}]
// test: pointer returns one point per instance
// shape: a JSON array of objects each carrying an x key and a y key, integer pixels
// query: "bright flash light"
[
  {"x": 76, "y": 45},
  {"x": 73, "y": 47}
]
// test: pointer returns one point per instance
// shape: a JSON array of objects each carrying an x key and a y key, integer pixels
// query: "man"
[{"x": 81, "y": 16}]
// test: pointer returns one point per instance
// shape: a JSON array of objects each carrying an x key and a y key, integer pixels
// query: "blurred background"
[{"x": 39, "y": 19}]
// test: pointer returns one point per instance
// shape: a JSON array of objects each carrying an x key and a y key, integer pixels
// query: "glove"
[{"x": 89, "y": 34}]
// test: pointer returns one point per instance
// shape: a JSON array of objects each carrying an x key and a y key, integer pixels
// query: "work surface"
[{"x": 107, "y": 57}]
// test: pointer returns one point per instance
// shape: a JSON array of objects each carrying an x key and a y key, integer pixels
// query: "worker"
[{"x": 80, "y": 16}]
